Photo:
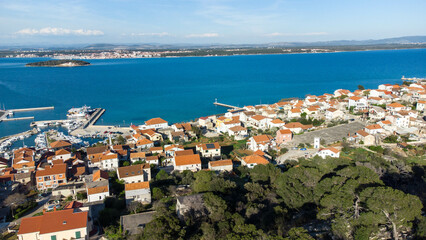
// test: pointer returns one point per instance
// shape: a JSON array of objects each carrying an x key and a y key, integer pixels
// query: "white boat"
[{"x": 79, "y": 113}]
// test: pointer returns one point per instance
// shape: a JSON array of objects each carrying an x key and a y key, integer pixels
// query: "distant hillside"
[{"x": 58, "y": 63}]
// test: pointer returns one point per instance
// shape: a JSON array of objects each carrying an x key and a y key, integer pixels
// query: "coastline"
[{"x": 249, "y": 54}]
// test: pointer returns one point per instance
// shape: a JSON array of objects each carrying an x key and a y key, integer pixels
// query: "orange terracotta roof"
[
  {"x": 55, "y": 221},
  {"x": 362, "y": 133},
  {"x": 255, "y": 159},
  {"x": 226, "y": 162},
  {"x": 154, "y": 121},
  {"x": 62, "y": 152},
  {"x": 60, "y": 143},
  {"x": 52, "y": 170},
  {"x": 331, "y": 149},
  {"x": 396, "y": 105},
  {"x": 386, "y": 122},
  {"x": 184, "y": 152},
  {"x": 96, "y": 190},
  {"x": 258, "y": 117},
  {"x": 132, "y": 170},
  {"x": 277, "y": 121},
  {"x": 156, "y": 149},
  {"x": 355, "y": 98},
  {"x": 259, "y": 152},
  {"x": 100, "y": 174},
  {"x": 373, "y": 126},
  {"x": 137, "y": 155},
  {"x": 262, "y": 138},
  {"x": 172, "y": 146},
  {"x": 284, "y": 131},
  {"x": 211, "y": 146},
  {"x": 136, "y": 185},
  {"x": 143, "y": 141},
  {"x": 296, "y": 110},
  {"x": 237, "y": 128},
  {"x": 187, "y": 160}
]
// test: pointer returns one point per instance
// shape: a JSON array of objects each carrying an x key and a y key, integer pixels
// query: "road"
[{"x": 36, "y": 210}]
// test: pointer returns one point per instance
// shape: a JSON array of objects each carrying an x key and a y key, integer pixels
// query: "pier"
[
  {"x": 94, "y": 117},
  {"x": 16, "y": 119},
  {"x": 31, "y": 109},
  {"x": 226, "y": 105},
  {"x": 47, "y": 122}
]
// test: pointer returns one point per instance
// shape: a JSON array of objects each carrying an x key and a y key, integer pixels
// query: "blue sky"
[{"x": 206, "y": 21}]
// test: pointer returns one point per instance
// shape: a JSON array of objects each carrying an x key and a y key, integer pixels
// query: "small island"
[{"x": 58, "y": 63}]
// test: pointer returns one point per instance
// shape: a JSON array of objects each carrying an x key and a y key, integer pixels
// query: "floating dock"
[
  {"x": 227, "y": 105},
  {"x": 31, "y": 109}
]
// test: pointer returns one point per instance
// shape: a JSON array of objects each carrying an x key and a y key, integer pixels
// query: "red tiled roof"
[
  {"x": 55, "y": 221},
  {"x": 154, "y": 121},
  {"x": 220, "y": 163},
  {"x": 187, "y": 160},
  {"x": 135, "y": 186},
  {"x": 52, "y": 170}
]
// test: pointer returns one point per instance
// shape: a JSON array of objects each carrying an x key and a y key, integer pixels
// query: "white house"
[
  {"x": 395, "y": 107},
  {"x": 187, "y": 162},
  {"x": 238, "y": 132},
  {"x": 62, "y": 154},
  {"x": 97, "y": 191},
  {"x": 209, "y": 150},
  {"x": 357, "y": 102},
  {"x": 294, "y": 113},
  {"x": 329, "y": 152},
  {"x": 134, "y": 173},
  {"x": 333, "y": 113},
  {"x": 253, "y": 160},
  {"x": 260, "y": 142},
  {"x": 64, "y": 224},
  {"x": 138, "y": 191},
  {"x": 373, "y": 129},
  {"x": 221, "y": 165},
  {"x": 155, "y": 123},
  {"x": 108, "y": 160},
  {"x": 276, "y": 123},
  {"x": 420, "y": 106},
  {"x": 259, "y": 121}
]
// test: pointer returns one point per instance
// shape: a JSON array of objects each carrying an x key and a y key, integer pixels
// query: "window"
[
  {"x": 60, "y": 175},
  {"x": 53, "y": 237},
  {"x": 40, "y": 178},
  {"x": 77, "y": 234}
]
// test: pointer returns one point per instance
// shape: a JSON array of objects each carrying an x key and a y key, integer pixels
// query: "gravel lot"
[{"x": 330, "y": 135}]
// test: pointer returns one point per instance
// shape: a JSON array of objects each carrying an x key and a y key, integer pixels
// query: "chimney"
[
  {"x": 54, "y": 208},
  {"x": 44, "y": 211}
]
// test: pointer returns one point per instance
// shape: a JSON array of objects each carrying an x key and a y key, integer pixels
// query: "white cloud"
[
  {"x": 277, "y": 34},
  {"x": 161, "y": 34},
  {"x": 202, "y": 35},
  {"x": 59, "y": 31}
]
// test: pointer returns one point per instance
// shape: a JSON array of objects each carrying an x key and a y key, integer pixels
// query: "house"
[
  {"x": 283, "y": 136},
  {"x": 4, "y": 163},
  {"x": 155, "y": 123},
  {"x": 24, "y": 178},
  {"x": 333, "y": 113},
  {"x": 357, "y": 102},
  {"x": 420, "y": 106},
  {"x": 262, "y": 142},
  {"x": 134, "y": 173},
  {"x": 144, "y": 143},
  {"x": 24, "y": 159},
  {"x": 61, "y": 144},
  {"x": 259, "y": 121},
  {"x": 62, "y": 154},
  {"x": 368, "y": 139},
  {"x": 97, "y": 191},
  {"x": 107, "y": 160},
  {"x": 137, "y": 191},
  {"x": 221, "y": 165},
  {"x": 253, "y": 160},
  {"x": 155, "y": 150},
  {"x": 137, "y": 156},
  {"x": 328, "y": 152},
  {"x": 51, "y": 176},
  {"x": 209, "y": 150},
  {"x": 395, "y": 107},
  {"x": 276, "y": 123},
  {"x": 100, "y": 175},
  {"x": 187, "y": 162},
  {"x": 239, "y": 132},
  {"x": 373, "y": 129},
  {"x": 153, "y": 160},
  {"x": 294, "y": 113},
  {"x": 376, "y": 113},
  {"x": 151, "y": 135},
  {"x": 192, "y": 204},
  {"x": 57, "y": 225},
  {"x": 297, "y": 127}
]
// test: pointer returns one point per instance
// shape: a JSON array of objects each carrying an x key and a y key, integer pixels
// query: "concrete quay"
[
  {"x": 31, "y": 109},
  {"x": 16, "y": 119},
  {"x": 227, "y": 105}
]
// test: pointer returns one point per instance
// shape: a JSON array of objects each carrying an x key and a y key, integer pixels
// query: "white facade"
[
  {"x": 142, "y": 195},
  {"x": 328, "y": 153},
  {"x": 191, "y": 167},
  {"x": 97, "y": 196},
  {"x": 67, "y": 234}
]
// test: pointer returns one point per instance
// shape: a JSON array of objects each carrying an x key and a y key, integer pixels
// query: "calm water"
[{"x": 181, "y": 89}]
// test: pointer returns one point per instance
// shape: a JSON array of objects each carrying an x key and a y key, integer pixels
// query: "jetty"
[
  {"x": 226, "y": 105},
  {"x": 16, "y": 119},
  {"x": 31, "y": 109},
  {"x": 47, "y": 122},
  {"x": 94, "y": 117}
]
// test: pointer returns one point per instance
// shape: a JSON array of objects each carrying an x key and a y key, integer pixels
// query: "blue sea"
[{"x": 182, "y": 89}]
